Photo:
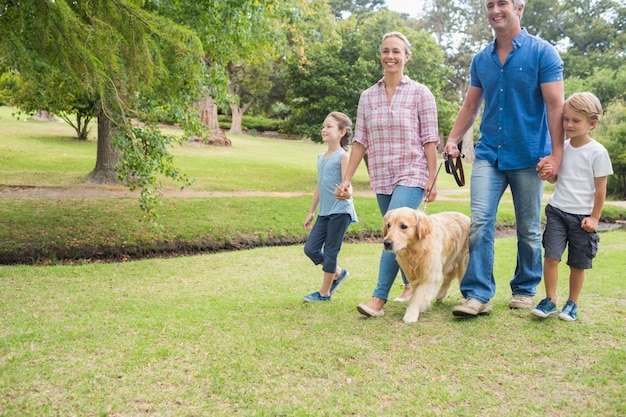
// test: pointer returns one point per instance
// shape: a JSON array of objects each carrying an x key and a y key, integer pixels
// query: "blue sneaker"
[
  {"x": 569, "y": 312},
  {"x": 546, "y": 308},
  {"x": 336, "y": 283},
  {"x": 316, "y": 296}
]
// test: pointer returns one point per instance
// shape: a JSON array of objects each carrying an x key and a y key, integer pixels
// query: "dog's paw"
[{"x": 410, "y": 318}]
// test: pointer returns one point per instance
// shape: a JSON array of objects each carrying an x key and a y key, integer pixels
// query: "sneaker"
[
  {"x": 336, "y": 283},
  {"x": 316, "y": 296},
  {"x": 521, "y": 301},
  {"x": 569, "y": 312},
  {"x": 546, "y": 308},
  {"x": 471, "y": 307}
]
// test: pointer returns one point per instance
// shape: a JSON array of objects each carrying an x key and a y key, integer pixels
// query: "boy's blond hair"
[{"x": 585, "y": 103}]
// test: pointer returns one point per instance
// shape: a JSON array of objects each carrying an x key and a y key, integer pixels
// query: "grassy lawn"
[
  {"x": 226, "y": 333},
  {"x": 44, "y": 154}
]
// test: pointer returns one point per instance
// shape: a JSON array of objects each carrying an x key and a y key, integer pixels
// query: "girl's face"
[
  {"x": 330, "y": 130},
  {"x": 576, "y": 124},
  {"x": 393, "y": 55}
]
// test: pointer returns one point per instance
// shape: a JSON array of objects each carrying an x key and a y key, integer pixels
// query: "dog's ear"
[
  {"x": 423, "y": 226},
  {"x": 385, "y": 226},
  {"x": 386, "y": 219}
]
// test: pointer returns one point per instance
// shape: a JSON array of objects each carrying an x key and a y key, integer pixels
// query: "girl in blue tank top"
[{"x": 334, "y": 215}]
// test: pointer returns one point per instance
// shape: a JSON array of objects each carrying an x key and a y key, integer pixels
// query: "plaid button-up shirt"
[{"x": 394, "y": 134}]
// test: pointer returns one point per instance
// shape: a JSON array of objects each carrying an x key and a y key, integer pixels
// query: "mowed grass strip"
[{"x": 228, "y": 334}]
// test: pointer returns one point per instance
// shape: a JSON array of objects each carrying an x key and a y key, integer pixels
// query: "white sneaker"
[
  {"x": 471, "y": 307},
  {"x": 521, "y": 301}
]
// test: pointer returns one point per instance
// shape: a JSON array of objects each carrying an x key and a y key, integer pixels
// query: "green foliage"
[
  {"x": 607, "y": 84},
  {"x": 150, "y": 157},
  {"x": 112, "y": 56},
  {"x": 593, "y": 32},
  {"x": 611, "y": 132},
  {"x": 337, "y": 71},
  {"x": 258, "y": 123}
]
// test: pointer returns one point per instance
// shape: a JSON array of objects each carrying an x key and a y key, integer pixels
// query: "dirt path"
[
  {"x": 106, "y": 191},
  {"x": 101, "y": 191}
]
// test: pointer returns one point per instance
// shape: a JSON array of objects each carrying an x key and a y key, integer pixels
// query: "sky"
[{"x": 412, "y": 7}]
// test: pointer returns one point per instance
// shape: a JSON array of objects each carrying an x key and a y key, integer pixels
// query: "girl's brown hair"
[{"x": 343, "y": 122}]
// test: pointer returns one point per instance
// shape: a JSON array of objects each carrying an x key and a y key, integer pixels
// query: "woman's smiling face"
[{"x": 393, "y": 55}]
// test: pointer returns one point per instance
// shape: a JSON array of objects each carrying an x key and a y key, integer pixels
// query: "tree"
[
  {"x": 611, "y": 132},
  {"x": 342, "y": 7},
  {"x": 248, "y": 82},
  {"x": 590, "y": 31},
  {"x": 230, "y": 31},
  {"x": 346, "y": 61},
  {"x": 129, "y": 61}
]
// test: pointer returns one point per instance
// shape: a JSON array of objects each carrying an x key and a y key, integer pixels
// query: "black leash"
[{"x": 455, "y": 168}]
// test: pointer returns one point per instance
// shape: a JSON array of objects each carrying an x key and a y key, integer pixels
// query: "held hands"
[
  {"x": 546, "y": 172},
  {"x": 547, "y": 168},
  {"x": 342, "y": 192}
]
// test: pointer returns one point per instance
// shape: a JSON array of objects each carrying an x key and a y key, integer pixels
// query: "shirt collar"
[
  {"x": 518, "y": 41},
  {"x": 405, "y": 79}
]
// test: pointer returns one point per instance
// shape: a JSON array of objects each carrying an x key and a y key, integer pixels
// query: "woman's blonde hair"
[
  {"x": 343, "y": 122},
  {"x": 407, "y": 44},
  {"x": 585, "y": 103}
]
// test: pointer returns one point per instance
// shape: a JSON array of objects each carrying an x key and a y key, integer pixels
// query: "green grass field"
[{"x": 225, "y": 334}]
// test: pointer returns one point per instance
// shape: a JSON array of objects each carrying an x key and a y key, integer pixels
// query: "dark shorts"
[{"x": 563, "y": 229}]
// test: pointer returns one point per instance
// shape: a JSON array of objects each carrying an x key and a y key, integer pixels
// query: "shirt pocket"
[{"x": 524, "y": 78}]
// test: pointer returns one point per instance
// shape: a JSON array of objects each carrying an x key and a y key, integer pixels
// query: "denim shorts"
[{"x": 564, "y": 229}]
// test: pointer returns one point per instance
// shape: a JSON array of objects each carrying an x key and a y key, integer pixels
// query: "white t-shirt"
[{"x": 575, "y": 188}]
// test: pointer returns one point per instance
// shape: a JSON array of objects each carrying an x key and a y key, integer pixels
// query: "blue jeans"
[
  {"x": 488, "y": 184},
  {"x": 325, "y": 240},
  {"x": 388, "y": 268}
]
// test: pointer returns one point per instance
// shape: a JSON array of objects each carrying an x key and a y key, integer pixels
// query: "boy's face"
[{"x": 575, "y": 124}]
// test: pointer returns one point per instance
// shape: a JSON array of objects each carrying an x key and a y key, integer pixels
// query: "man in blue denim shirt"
[{"x": 520, "y": 79}]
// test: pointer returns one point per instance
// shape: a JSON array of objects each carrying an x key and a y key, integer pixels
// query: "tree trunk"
[
  {"x": 467, "y": 148},
  {"x": 106, "y": 157},
  {"x": 44, "y": 116},
  {"x": 237, "y": 117},
  {"x": 208, "y": 117}
]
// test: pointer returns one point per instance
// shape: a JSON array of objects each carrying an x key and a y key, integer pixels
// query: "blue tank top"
[{"x": 329, "y": 175}]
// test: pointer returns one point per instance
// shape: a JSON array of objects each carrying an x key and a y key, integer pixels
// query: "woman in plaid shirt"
[{"x": 397, "y": 127}]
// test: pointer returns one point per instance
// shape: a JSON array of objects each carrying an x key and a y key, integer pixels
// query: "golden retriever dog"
[{"x": 430, "y": 249}]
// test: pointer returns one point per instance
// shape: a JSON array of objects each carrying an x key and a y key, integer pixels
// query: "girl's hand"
[{"x": 308, "y": 223}]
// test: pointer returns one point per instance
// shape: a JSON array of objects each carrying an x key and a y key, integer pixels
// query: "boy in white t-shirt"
[{"x": 574, "y": 209}]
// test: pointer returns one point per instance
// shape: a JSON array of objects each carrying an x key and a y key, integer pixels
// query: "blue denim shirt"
[{"x": 514, "y": 127}]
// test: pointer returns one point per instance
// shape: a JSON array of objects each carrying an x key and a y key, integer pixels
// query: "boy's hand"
[{"x": 589, "y": 224}]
